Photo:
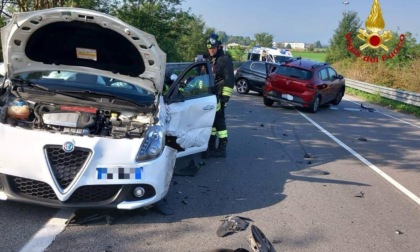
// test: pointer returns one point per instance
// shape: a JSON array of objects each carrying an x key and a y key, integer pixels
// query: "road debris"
[
  {"x": 259, "y": 242},
  {"x": 191, "y": 170},
  {"x": 163, "y": 207},
  {"x": 232, "y": 224},
  {"x": 362, "y": 139},
  {"x": 360, "y": 195},
  {"x": 399, "y": 232},
  {"x": 85, "y": 216},
  {"x": 367, "y": 108}
]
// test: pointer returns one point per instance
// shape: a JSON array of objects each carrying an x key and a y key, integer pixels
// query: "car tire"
[
  {"x": 338, "y": 97},
  {"x": 313, "y": 108},
  {"x": 242, "y": 86},
  {"x": 268, "y": 102}
]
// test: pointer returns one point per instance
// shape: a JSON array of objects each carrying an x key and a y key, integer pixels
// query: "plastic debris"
[
  {"x": 362, "y": 139},
  {"x": 85, "y": 216},
  {"x": 259, "y": 242},
  {"x": 367, "y": 108},
  {"x": 190, "y": 170},
  {"x": 398, "y": 232},
  {"x": 232, "y": 224},
  {"x": 163, "y": 207},
  {"x": 360, "y": 195},
  {"x": 307, "y": 155}
]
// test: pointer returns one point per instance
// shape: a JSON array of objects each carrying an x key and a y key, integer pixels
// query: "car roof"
[{"x": 305, "y": 63}]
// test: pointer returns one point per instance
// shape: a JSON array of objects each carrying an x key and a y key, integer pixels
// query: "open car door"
[
  {"x": 190, "y": 107},
  {"x": 270, "y": 67}
]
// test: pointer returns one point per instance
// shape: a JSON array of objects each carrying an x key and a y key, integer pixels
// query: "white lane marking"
[
  {"x": 46, "y": 235},
  {"x": 390, "y": 116},
  {"x": 366, "y": 162}
]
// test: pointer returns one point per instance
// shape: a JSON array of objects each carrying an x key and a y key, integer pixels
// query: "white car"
[{"x": 83, "y": 121}]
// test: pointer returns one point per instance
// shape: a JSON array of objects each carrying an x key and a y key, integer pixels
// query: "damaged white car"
[{"x": 83, "y": 121}]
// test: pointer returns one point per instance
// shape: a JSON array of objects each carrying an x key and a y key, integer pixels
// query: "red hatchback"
[{"x": 305, "y": 83}]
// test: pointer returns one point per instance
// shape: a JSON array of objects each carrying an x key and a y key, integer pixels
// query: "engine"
[{"x": 74, "y": 120}]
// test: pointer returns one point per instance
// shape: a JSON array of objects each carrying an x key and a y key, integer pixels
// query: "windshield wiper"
[
  {"x": 26, "y": 83},
  {"x": 112, "y": 98}
]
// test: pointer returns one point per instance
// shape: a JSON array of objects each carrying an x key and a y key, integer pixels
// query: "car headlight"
[{"x": 153, "y": 144}]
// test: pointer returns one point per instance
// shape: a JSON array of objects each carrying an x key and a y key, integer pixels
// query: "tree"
[
  {"x": 280, "y": 45},
  {"x": 338, "y": 43},
  {"x": 179, "y": 33},
  {"x": 288, "y": 46},
  {"x": 264, "y": 39},
  {"x": 317, "y": 44},
  {"x": 222, "y": 36}
]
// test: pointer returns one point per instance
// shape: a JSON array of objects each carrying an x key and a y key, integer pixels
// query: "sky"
[{"x": 305, "y": 21}]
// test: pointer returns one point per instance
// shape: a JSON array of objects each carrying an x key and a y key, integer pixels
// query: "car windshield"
[
  {"x": 281, "y": 59},
  {"x": 294, "y": 72}
]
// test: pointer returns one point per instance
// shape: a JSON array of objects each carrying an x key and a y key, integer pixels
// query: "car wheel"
[
  {"x": 315, "y": 105},
  {"x": 268, "y": 102},
  {"x": 338, "y": 97},
  {"x": 242, "y": 86}
]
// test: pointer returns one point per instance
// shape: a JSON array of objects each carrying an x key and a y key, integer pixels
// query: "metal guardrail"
[{"x": 390, "y": 93}]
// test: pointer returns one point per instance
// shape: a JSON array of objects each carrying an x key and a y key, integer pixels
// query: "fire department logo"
[{"x": 375, "y": 35}]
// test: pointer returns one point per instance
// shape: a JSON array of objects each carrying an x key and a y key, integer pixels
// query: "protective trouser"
[{"x": 220, "y": 130}]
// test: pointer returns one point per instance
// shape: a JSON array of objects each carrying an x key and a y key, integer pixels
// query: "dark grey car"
[{"x": 250, "y": 76}]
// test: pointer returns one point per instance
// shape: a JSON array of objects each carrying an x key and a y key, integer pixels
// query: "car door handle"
[{"x": 209, "y": 107}]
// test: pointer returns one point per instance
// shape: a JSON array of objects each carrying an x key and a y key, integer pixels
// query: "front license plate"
[
  {"x": 119, "y": 173},
  {"x": 287, "y": 96}
]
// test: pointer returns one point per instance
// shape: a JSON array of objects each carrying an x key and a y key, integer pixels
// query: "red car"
[{"x": 304, "y": 83}]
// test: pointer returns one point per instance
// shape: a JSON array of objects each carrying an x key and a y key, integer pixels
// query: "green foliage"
[
  {"x": 316, "y": 56},
  {"x": 172, "y": 27},
  {"x": 338, "y": 43},
  {"x": 317, "y": 44},
  {"x": 238, "y": 53},
  {"x": 246, "y": 41},
  {"x": 264, "y": 39},
  {"x": 408, "y": 50}
]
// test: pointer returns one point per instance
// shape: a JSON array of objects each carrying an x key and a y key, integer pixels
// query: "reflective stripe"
[
  {"x": 227, "y": 91},
  {"x": 222, "y": 134},
  {"x": 213, "y": 131},
  {"x": 200, "y": 84},
  {"x": 218, "y": 106}
]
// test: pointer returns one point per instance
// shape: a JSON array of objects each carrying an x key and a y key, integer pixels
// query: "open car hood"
[{"x": 80, "y": 40}]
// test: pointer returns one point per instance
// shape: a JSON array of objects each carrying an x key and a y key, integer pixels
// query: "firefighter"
[{"x": 222, "y": 68}]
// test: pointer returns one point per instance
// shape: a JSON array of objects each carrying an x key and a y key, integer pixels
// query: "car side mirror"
[{"x": 340, "y": 77}]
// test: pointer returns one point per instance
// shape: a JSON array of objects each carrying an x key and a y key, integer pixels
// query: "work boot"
[
  {"x": 221, "y": 150},
  {"x": 211, "y": 147}
]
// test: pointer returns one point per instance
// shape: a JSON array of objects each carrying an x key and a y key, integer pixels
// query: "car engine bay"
[{"x": 68, "y": 118}]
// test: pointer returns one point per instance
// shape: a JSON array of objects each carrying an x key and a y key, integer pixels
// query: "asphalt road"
[{"x": 343, "y": 179}]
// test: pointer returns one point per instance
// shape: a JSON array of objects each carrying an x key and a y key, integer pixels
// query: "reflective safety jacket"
[{"x": 224, "y": 79}]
